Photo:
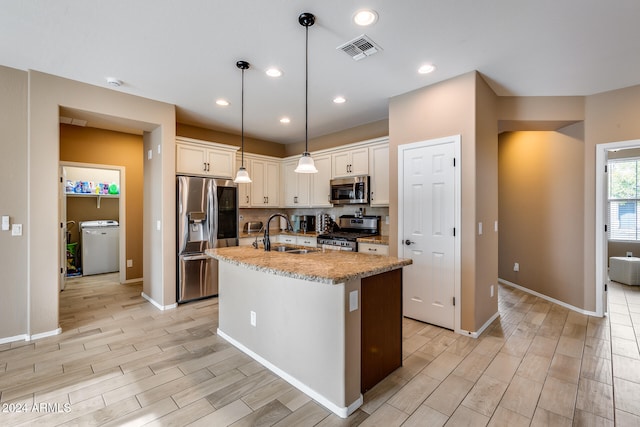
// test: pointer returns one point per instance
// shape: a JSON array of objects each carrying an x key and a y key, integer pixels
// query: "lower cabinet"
[
  {"x": 374, "y": 249},
  {"x": 381, "y": 327}
]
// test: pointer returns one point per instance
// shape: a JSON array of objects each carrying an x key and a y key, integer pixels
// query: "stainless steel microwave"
[{"x": 350, "y": 191}]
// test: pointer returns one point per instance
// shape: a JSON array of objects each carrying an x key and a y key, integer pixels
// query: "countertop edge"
[{"x": 400, "y": 263}]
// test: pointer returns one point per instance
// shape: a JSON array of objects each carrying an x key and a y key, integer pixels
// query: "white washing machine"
[{"x": 100, "y": 246}]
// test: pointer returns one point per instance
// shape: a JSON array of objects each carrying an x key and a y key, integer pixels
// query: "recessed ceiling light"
[
  {"x": 426, "y": 68},
  {"x": 285, "y": 120},
  {"x": 273, "y": 72},
  {"x": 222, "y": 102},
  {"x": 339, "y": 100},
  {"x": 365, "y": 17}
]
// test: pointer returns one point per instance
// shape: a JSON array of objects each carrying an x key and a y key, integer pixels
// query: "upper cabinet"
[
  {"x": 379, "y": 170},
  {"x": 265, "y": 185},
  {"x": 320, "y": 190},
  {"x": 205, "y": 158},
  {"x": 350, "y": 162},
  {"x": 295, "y": 185}
]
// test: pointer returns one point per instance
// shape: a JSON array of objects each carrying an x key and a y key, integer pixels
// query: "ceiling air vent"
[{"x": 360, "y": 47}]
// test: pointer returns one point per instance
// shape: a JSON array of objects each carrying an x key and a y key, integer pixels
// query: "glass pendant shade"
[
  {"x": 306, "y": 164},
  {"x": 242, "y": 177}
]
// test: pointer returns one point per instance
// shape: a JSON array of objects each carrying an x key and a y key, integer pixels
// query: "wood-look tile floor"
[{"x": 120, "y": 361}]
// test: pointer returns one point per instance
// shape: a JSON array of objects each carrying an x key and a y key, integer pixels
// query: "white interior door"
[{"x": 428, "y": 196}]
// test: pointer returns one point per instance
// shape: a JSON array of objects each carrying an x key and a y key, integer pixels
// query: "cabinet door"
[
  {"x": 244, "y": 190},
  {"x": 359, "y": 164},
  {"x": 290, "y": 184},
  {"x": 221, "y": 163},
  {"x": 190, "y": 159},
  {"x": 379, "y": 163},
  {"x": 258, "y": 196},
  {"x": 272, "y": 184},
  {"x": 340, "y": 163},
  {"x": 320, "y": 183}
]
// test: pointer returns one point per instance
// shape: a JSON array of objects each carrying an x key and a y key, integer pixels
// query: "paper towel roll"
[{"x": 283, "y": 224}]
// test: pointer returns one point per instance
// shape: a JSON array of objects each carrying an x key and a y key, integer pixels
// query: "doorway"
[
  {"x": 90, "y": 192},
  {"x": 602, "y": 255},
  {"x": 429, "y": 200}
]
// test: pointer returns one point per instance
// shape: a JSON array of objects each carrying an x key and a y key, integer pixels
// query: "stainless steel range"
[{"x": 349, "y": 229}]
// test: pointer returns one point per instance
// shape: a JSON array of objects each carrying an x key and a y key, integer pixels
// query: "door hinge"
[
  {"x": 61, "y": 270},
  {"x": 454, "y": 301},
  {"x": 61, "y": 225},
  {"x": 606, "y": 168},
  {"x": 60, "y": 179},
  {"x": 605, "y": 287},
  {"x": 605, "y": 228},
  {"x": 454, "y": 232},
  {"x": 454, "y": 162}
]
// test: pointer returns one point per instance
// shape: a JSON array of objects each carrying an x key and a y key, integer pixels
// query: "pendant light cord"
[
  {"x": 242, "y": 119},
  {"x": 306, "y": 92}
]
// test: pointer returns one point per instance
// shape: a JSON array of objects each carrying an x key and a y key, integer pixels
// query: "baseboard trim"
[
  {"x": 23, "y": 337},
  {"x": 341, "y": 411},
  {"x": 129, "y": 281},
  {"x": 159, "y": 306},
  {"x": 479, "y": 332},
  {"x": 45, "y": 334},
  {"x": 547, "y": 298}
]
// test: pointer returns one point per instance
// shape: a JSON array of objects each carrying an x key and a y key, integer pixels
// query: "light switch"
[
  {"x": 150, "y": 154},
  {"x": 5, "y": 222},
  {"x": 158, "y": 225}
]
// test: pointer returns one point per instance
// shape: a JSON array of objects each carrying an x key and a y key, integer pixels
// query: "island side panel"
[
  {"x": 303, "y": 328},
  {"x": 381, "y": 327}
]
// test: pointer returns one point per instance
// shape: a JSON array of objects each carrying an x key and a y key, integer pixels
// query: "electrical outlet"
[
  {"x": 16, "y": 230},
  {"x": 629, "y": 254},
  {"x": 253, "y": 318},
  {"x": 129, "y": 263},
  {"x": 516, "y": 266},
  {"x": 5, "y": 222},
  {"x": 150, "y": 154}
]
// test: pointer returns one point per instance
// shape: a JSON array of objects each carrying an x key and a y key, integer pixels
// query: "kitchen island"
[{"x": 329, "y": 323}]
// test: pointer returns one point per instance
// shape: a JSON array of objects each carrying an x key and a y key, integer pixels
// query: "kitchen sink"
[{"x": 293, "y": 250}]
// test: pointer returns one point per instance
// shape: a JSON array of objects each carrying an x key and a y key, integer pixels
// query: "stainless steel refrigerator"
[{"x": 207, "y": 217}]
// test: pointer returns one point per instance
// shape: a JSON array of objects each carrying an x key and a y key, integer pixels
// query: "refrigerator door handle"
[{"x": 196, "y": 257}]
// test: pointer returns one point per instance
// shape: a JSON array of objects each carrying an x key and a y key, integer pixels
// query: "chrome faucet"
[{"x": 267, "y": 242}]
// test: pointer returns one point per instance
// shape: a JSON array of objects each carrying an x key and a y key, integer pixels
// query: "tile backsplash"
[{"x": 259, "y": 214}]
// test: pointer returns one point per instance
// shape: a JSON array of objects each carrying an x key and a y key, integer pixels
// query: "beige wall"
[
  {"x": 486, "y": 187},
  {"x": 251, "y": 145},
  {"x": 46, "y": 95},
  {"x": 98, "y": 146},
  {"x": 443, "y": 109},
  {"x": 13, "y": 187},
  {"x": 541, "y": 212}
]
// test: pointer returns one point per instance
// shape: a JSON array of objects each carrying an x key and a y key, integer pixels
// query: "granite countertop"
[
  {"x": 331, "y": 267},
  {"x": 376, "y": 240}
]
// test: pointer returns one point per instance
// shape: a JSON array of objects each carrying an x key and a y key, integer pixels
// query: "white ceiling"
[{"x": 184, "y": 52}]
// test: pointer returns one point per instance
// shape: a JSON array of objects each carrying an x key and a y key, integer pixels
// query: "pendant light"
[
  {"x": 242, "y": 177},
  {"x": 306, "y": 164}
]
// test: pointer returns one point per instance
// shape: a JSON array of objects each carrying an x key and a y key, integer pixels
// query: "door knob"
[{"x": 408, "y": 242}]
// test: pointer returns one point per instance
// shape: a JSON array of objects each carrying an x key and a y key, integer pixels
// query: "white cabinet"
[
  {"x": 374, "y": 249},
  {"x": 265, "y": 186},
  {"x": 205, "y": 158},
  {"x": 296, "y": 185},
  {"x": 379, "y": 171},
  {"x": 287, "y": 238},
  {"x": 350, "y": 162},
  {"x": 319, "y": 187},
  {"x": 311, "y": 241},
  {"x": 244, "y": 190}
]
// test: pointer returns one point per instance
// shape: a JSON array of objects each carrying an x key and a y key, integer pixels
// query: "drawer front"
[{"x": 370, "y": 248}]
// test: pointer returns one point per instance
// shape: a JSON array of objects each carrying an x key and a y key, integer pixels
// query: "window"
[{"x": 624, "y": 199}]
